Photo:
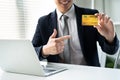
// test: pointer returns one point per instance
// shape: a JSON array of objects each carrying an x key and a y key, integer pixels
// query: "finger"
[
  {"x": 54, "y": 34},
  {"x": 61, "y": 43},
  {"x": 96, "y": 14},
  {"x": 101, "y": 18},
  {"x": 60, "y": 48},
  {"x": 107, "y": 19},
  {"x": 97, "y": 26},
  {"x": 63, "y": 38},
  {"x": 100, "y": 15}
]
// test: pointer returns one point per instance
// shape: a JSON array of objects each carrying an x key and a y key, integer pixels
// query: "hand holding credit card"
[{"x": 89, "y": 20}]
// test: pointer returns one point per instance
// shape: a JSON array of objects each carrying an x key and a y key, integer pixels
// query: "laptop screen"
[{"x": 19, "y": 56}]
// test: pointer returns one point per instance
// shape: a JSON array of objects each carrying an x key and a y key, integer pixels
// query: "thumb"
[{"x": 54, "y": 34}]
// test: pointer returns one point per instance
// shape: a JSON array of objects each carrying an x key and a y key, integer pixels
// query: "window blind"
[{"x": 18, "y": 18}]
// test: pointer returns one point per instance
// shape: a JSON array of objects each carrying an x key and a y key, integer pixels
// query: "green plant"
[{"x": 109, "y": 62}]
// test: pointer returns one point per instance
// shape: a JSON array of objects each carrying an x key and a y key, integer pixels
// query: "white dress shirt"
[{"x": 75, "y": 55}]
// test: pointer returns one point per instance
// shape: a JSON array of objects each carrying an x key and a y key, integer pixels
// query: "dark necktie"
[
  {"x": 65, "y": 25},
  {"x": 66, "y": 52}
]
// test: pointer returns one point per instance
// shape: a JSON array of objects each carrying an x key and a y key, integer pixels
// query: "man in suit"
[{"x": 49, "y": 41}]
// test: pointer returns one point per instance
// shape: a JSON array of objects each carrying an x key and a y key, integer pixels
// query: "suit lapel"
[
  {"x": 54, "y": 20},
  {"x": 80, "y": 28}
]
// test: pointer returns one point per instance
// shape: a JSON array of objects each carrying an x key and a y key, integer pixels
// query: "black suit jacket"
[{"x": 88, "y": 36}]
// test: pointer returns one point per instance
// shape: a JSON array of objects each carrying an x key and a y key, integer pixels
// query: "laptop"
[{"x": 19, "y": 56}]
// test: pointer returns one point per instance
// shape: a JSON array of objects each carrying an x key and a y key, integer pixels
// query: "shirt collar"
[{"x": 70, "y": 13}]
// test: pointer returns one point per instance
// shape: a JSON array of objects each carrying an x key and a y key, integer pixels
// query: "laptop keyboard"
[{"x": 49, "y": 70}]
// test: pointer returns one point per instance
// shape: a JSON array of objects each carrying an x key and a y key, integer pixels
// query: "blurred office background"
[{"x": 18, "y": 18}]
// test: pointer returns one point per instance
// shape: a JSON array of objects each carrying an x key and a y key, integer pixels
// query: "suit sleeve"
[
  {"x": 110, "y": 48},
  {"x": 38, "y": 40}
]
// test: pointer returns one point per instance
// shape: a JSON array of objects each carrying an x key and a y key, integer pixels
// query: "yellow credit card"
[{"x": 89, "y": 20}]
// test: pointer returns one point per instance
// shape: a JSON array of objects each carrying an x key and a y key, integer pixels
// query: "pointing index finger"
[{"x": 63, "y": 38}]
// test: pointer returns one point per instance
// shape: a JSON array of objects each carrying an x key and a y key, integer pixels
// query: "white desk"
[{"x": 75, "y": 72}]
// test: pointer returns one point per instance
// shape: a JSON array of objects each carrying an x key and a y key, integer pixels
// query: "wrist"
[
  {"x": 110, "y": 39},
  {"x": 44, "y": 51}
]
